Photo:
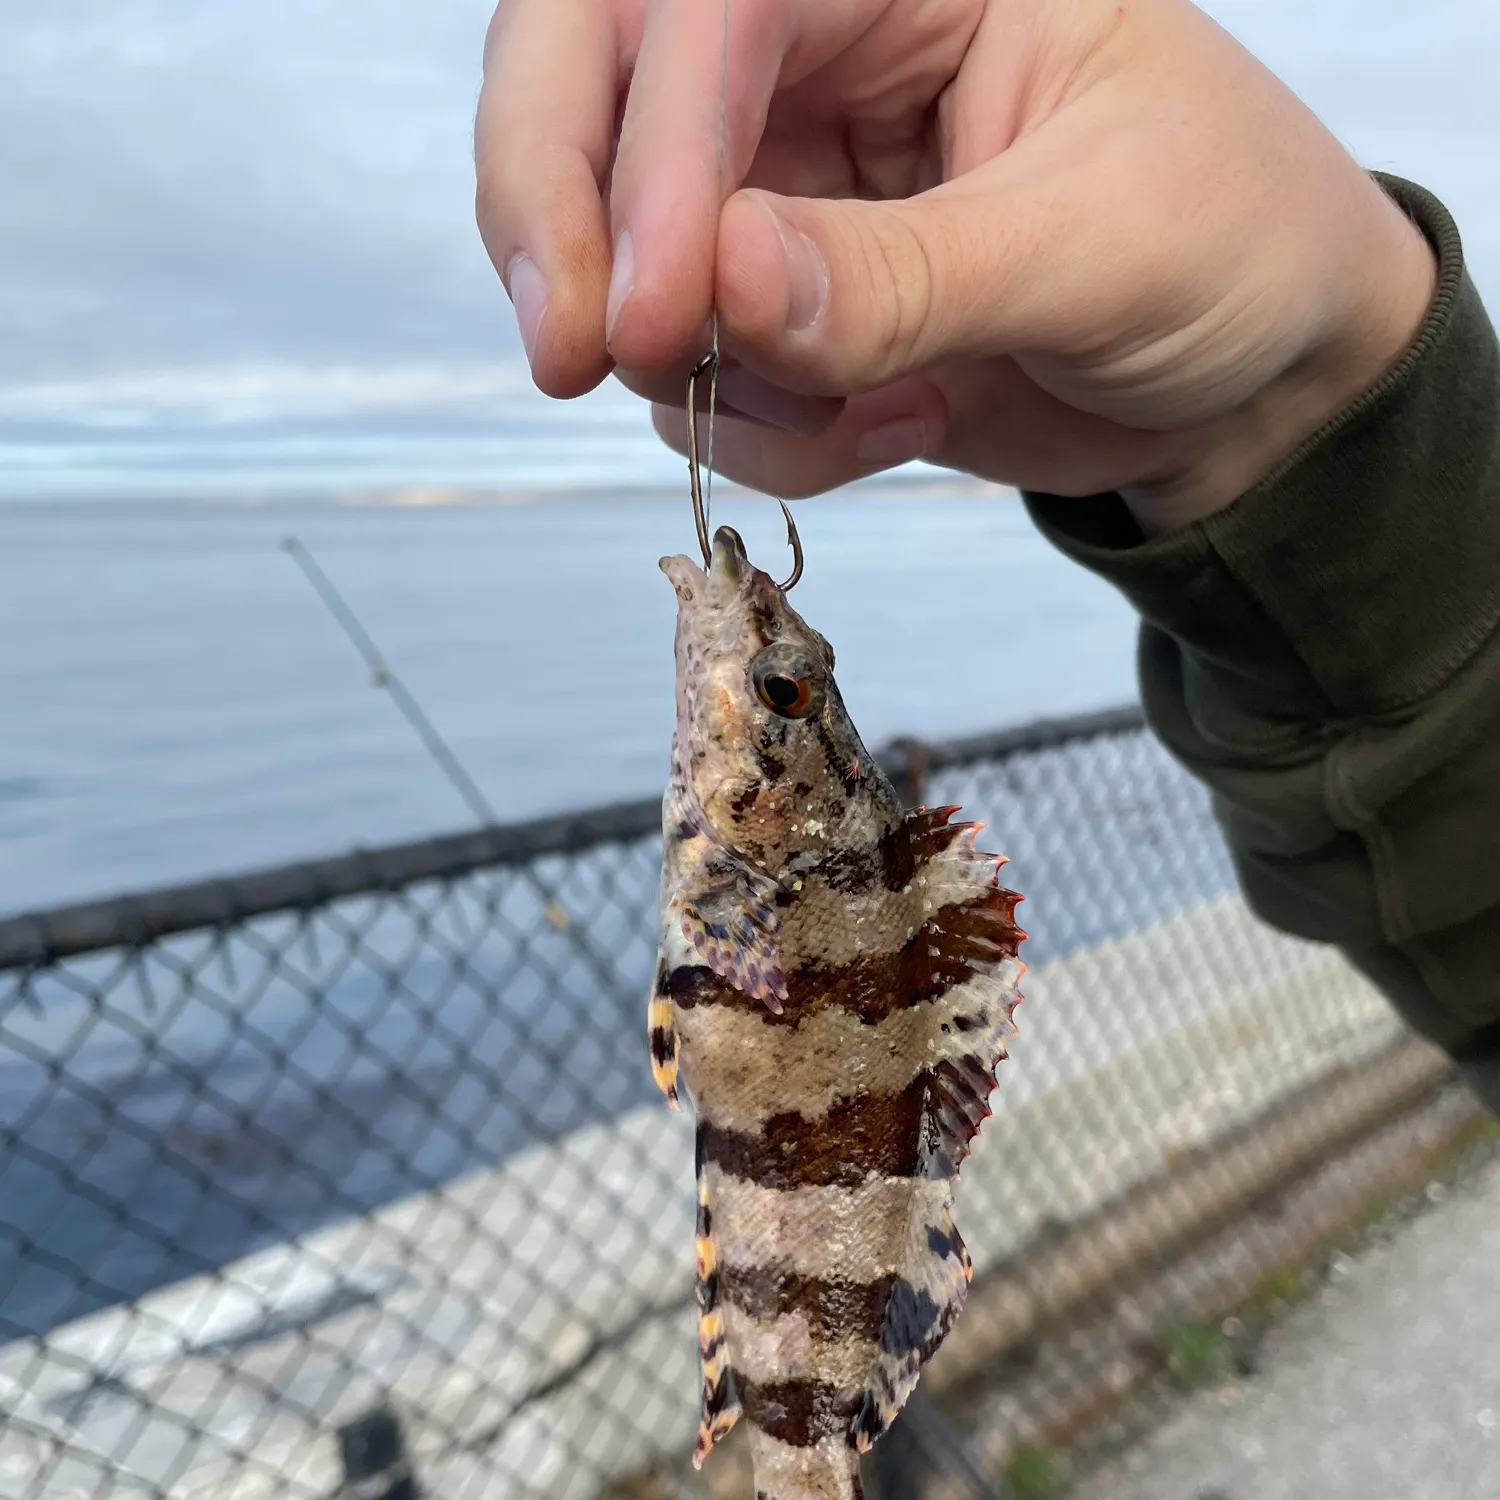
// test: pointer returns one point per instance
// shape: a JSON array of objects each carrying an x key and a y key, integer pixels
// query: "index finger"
[
  {"x": 702, "y": 84},
  {"x": 543, "y": 136}
]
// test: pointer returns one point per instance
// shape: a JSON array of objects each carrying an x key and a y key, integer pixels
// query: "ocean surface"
[{"x": 177, "y": 702}]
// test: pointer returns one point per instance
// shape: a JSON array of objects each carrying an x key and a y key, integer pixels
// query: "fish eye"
[
  {"x": 784, "y": 683},
  {"x": 789, "y": 696}
]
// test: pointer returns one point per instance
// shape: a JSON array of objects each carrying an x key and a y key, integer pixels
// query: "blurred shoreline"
[{"x": 911, "y": 481}]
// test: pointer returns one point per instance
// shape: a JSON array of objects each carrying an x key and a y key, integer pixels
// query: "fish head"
[{"x": 766, "y": 761}]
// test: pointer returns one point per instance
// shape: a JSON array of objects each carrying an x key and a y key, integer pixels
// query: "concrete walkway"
[{"x": 1386, "y": 1386}]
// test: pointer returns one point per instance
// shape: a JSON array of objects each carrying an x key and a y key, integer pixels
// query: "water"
[{"x": 177, "y": 702}]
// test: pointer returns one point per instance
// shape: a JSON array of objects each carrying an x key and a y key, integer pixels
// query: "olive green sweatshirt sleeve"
[{"x": 1324, "y": 654}]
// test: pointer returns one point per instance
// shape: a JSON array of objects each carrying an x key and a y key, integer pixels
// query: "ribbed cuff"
[{"x": 1365, "y": 569}]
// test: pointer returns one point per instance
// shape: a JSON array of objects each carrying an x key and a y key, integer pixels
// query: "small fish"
[{"x": 834, "y": 988}]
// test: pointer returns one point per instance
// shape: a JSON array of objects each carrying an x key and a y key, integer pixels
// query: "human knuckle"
[{"x": 900, "y": 276}]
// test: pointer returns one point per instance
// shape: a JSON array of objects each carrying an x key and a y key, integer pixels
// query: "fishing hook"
[
  {"x": 709, "y": 365},
  {"x": 795, "y": 543}
]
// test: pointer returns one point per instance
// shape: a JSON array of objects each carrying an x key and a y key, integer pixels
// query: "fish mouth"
[
  {"x": 730, "y": 560},
  {"x": 685, "y": 576},
  {"x": 728, "y": 567}
]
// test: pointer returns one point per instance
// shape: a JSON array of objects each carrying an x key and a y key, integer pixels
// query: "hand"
[{"x": 1072, "y": 245}]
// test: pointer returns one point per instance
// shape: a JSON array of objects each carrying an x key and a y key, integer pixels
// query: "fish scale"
[{"x": 833, "y": 991}]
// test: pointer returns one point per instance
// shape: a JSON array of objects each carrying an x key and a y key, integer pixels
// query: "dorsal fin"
[
  {"x": 970, "y": 978},
  {"x": 918, "y": 1315},
  {"x": 929, "y": 832},
  {"x": 973, "y": 971},
  {"x": 979, "y": 937}
]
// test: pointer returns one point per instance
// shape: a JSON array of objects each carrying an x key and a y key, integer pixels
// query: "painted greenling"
[{"x": 833, "y": 991}]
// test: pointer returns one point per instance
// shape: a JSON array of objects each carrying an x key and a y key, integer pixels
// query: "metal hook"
[
  {"x": 709, "y": 365},
  {"x": 795, "y": 543}
]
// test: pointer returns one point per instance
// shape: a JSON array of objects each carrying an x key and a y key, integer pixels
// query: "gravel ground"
[{"x": 1385, "y": 1387}]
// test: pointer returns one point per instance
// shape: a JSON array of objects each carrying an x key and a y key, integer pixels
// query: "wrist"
[{"x": 1381, "y": 310}]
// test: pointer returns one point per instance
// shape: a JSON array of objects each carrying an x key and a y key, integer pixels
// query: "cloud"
[
  {"x": 242, "y": 394},
  {"x": 237, "y": 243},
  {"x": 189, "y": 184}
]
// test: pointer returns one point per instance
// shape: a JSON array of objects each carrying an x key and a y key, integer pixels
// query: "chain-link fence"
[{"x": 323, "y": 1171}]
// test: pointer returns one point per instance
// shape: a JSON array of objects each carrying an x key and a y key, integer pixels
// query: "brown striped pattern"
[
  {"x": 903, "y": 1131},
  {"x": 797, "y": 1412},
  {"x": 832, "y": 1305},
  {"x": 944, "y": 951},
  {"x": 860, "y": 1135},
  {"x": 834, "y": 993}
]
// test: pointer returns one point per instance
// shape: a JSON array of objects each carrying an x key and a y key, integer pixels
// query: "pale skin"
[{"x": 1071, "y": 245}]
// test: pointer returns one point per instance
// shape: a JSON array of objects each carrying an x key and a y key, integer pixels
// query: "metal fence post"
[{"x": 373, "y": 1450}]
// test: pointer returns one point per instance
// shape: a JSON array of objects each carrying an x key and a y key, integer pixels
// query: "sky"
[
  {"x": 195, "y": 181},
  {"x": 237, "y": 243}
]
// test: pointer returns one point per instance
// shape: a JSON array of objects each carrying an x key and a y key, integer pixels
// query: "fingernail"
[
  {"x": 807, "y": 276},
  {"x": 528, "y": 295},
  {"x": 621, "y": 282},
  {"x": 896, "y": 442}
]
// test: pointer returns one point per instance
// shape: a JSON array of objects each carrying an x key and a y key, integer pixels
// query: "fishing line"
[
  {"x": 713, "y": 378},
  {"x": 701, "y": 491}
]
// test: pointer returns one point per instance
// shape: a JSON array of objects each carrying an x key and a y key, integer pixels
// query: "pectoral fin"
[{"x": 732, "y": 926}]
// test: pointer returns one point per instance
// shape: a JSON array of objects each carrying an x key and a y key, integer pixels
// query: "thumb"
[{"x": 832, "y": 297}]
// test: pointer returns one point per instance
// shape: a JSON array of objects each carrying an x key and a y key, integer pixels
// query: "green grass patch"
[
  {"x": 1365, "y": 1220},
  {"x": 1035, "y": 1474},
  {"x": 1198, "y": 1355},
  {"x": 1281, "y": 1286},
  {"x": 1285, "y": 1286}
]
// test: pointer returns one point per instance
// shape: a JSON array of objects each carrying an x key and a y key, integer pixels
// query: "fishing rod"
[{"x": 384, "y": 676}]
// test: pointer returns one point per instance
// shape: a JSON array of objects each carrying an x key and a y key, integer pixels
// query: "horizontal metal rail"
[{"x": 134, "y": 919}]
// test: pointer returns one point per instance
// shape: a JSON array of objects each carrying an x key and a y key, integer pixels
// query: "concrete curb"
[{"x": 1056, "y": 1276}]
